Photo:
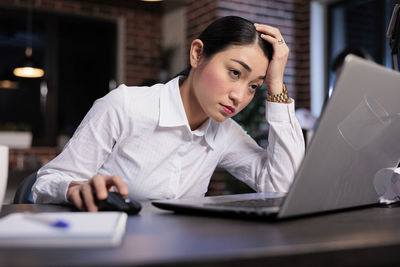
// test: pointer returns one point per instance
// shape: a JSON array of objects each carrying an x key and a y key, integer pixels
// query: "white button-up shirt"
[{"x": 142, "y": 134}]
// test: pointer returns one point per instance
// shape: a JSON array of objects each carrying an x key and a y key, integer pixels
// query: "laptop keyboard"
[{"x": 251, "y": 203}]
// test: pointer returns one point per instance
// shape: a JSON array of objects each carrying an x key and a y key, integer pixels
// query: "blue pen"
[{"x": 49, "y": 221}]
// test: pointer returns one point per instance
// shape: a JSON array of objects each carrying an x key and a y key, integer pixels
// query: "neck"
[{"x": 194, "y": 113}]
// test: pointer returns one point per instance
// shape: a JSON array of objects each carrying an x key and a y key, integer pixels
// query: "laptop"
[{"x": 357, "y": 137}]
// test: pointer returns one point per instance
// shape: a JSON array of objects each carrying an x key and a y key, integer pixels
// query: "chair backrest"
[{"x": 24, "y": 191}]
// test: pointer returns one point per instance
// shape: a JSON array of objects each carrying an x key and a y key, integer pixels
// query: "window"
[
  {"x": 359, "y": 24},
  {"x": 79, "y": 57}
]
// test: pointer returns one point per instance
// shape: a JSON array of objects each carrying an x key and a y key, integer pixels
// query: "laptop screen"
[{"x": 357, "y": 136}]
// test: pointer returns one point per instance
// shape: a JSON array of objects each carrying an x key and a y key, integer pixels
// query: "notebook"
[
  {"x": 357, "y": 137},
  {"x": 75, "y": 229}
]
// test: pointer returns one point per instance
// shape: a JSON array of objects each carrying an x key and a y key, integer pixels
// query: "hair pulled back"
[{"x": 228, "y": 31}]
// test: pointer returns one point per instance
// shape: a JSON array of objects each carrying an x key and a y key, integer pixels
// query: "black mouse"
[{"x": 116, "y": 202}]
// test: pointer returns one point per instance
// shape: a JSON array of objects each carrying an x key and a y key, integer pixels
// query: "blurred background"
[{"x": 85, "y": 48}]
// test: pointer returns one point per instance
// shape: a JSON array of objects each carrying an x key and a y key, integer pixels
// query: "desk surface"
[{"x": 365, "y": 237}]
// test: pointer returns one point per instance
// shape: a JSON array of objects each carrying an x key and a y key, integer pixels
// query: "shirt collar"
[
  {"x": 210, "y": 132},
  {"x": 172, "y": 113}
]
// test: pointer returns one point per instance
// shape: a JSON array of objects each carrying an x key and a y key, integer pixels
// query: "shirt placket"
[{"x": 178, "y": 163}]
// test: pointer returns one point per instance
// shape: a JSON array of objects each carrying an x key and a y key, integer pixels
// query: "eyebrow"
[{"x": 244, "y": 65}]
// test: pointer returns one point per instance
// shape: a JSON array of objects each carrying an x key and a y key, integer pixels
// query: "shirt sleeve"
[
  {"x": 84, "y": 154},
  {"x": 271, "y": 169}
]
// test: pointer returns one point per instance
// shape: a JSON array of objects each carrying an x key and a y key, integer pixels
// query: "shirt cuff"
[
  {"x": 65, "y": 184},
  {"x": 53, "y": 190},
  {"x": 280, "y": 112}
]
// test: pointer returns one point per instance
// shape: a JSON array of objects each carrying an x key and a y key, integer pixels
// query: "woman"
[{"x": 165, "y": 141}]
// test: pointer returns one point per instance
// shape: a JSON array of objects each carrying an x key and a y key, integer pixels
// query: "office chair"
[{"x": 24, "y": 194}]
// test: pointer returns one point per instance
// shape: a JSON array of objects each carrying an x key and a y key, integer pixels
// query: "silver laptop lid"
[{"x": 358, "y": 135}]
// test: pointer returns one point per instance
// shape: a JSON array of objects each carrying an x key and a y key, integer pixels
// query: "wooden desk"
[{"x": 367, "y": 237}]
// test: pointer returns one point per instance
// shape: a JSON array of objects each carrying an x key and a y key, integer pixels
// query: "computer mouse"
[{"x": 116, "y": 202}]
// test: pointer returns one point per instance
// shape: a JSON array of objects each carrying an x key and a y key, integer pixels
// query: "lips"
[{"x": 228, "y": 109}]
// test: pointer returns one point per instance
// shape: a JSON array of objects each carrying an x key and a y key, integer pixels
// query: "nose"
[{"x": 237, "y": 95}]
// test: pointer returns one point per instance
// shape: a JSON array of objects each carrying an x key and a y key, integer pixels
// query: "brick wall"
[
  {"x": 198, "y": 15},
  {"x": 143, "y": 29},
  {"x": 290, "y": 16}
]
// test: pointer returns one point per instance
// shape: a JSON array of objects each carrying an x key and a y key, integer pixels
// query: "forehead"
[{"x": 252, "y": 55}]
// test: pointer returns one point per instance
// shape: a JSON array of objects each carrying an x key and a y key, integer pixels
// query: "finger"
[
  {"x": 119, "y": 183},
  {"x": 75, "y": 198},
  {"x": 88, "y": 198},
  {"x": 269, "y": 30},
  {"x": 270, "y": 39},
  {"x": 99, "y": 186},
  {"x": 275, "y": 32},
  {"x": 278, "y": 44}
]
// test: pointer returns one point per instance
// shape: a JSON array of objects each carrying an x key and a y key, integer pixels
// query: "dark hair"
[
  {"x": 338, "y": 62},
  {"x": 227, "y": 31}
]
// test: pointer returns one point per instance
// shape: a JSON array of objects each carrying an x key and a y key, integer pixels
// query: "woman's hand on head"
[
  {"x": 83, "y": 194},
  {"x": 276, "y": 67}
]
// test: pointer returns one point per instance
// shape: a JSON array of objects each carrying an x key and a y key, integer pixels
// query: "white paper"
[{"x": 85, "y": 229}]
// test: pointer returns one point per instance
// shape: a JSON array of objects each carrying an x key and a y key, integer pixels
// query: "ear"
[{"x": 196, "y": 52}]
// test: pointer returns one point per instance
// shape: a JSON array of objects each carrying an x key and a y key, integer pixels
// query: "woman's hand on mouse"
[
  {"x": 83, "y": 194},
  {"x": 276, "y": 67}
]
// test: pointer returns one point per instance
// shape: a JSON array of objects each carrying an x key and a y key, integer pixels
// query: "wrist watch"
[{"x": 279, "y": 98}]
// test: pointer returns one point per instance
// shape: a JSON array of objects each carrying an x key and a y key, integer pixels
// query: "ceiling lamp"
[{"x": 28, "y": 68}]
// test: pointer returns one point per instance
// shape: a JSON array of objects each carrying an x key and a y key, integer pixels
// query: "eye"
[
  {"x": 254, "y": 87},
  {"x": 235, "y": 73}
]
